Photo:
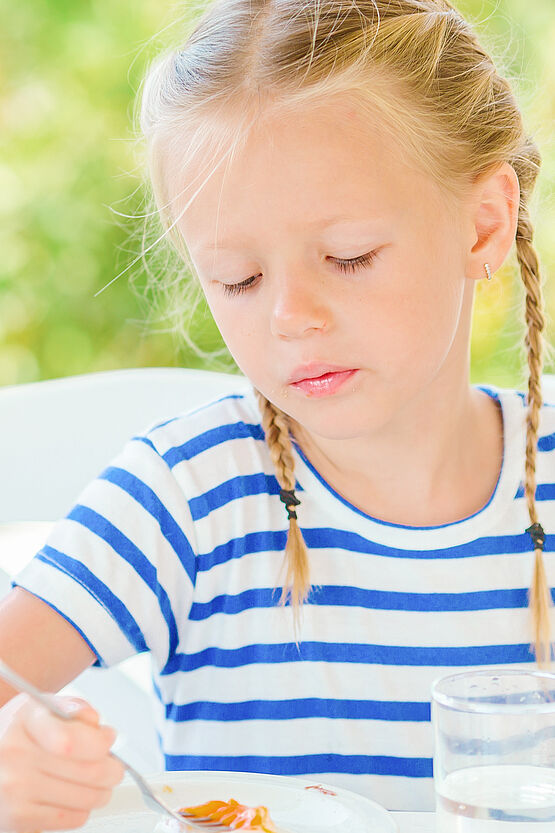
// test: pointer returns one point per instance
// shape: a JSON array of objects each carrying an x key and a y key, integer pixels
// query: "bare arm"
[
  {"x": 39, "y": 643},
  {"x": 53, "y": 772}
]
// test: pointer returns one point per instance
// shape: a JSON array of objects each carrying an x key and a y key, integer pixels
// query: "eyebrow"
[{"x": 325, "y": 222}]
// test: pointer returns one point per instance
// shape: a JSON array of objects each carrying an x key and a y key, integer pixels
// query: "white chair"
[{"x": 56, "y": 436}]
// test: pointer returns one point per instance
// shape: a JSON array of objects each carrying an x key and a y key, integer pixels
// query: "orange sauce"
[{"x": 232, "y": 814}]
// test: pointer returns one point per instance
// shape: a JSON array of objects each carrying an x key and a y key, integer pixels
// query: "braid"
[
  {"x": 276, "y": 430},
  {"x": 540, "y": 595}
]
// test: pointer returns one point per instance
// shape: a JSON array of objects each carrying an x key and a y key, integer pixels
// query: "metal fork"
[{"x": 185, "y": 820}]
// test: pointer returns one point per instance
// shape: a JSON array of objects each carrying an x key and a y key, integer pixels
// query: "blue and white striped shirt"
[{"x": 177, "y": 549}]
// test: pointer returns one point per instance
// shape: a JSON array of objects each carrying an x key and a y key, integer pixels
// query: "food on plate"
[{"x": 232, "y": 814}]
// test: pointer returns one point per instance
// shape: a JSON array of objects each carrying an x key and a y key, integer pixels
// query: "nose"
[{"x": 298, "y": 306}]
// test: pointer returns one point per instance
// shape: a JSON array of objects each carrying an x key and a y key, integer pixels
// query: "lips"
[
  {"x": 326, "y": 384},
  {"x": 314, "y": 370}
]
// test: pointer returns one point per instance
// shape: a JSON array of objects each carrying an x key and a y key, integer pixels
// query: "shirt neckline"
[{"x": 465, "y": 529}]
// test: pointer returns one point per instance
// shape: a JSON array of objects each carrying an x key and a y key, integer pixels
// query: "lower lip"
[{"x": 324, "y": 385}]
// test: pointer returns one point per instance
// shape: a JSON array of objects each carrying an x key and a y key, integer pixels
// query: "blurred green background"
[{"x": 68, "y": 160}]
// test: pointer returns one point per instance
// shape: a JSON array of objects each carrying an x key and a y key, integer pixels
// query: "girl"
[{"x": 338, "y": 177}]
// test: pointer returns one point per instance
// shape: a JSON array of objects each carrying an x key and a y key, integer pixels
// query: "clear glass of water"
[{"x": 494, "y": 751}]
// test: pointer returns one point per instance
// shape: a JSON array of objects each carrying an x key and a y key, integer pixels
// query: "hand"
[{"x": 53, "y": 772}]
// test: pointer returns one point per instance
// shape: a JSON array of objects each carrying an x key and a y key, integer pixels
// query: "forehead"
[{"x": 297, "y": 173}]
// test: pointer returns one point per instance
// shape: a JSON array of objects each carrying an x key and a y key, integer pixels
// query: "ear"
[{"x": 493, "y": 219}]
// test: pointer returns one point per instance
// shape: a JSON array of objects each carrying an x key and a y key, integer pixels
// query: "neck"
[{"x": 437, "y": 461}]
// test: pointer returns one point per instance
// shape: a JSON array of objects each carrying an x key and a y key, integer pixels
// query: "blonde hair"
[{"x": 416, "y": 65}]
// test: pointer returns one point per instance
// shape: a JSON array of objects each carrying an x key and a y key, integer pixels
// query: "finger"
[
  {"x": 79, "y": 708},
  {"x": 44, "y": 789},
  {"x": 67, "y": 795},
  {"x": 38, "y": 817},
  {"x": 72, "y": 706},
  {"x": 12, "y": 710},
  {"x": 102, "y": 774},
  {"x": 23, "y": 783},
  {"x": 67, "y": 738}
]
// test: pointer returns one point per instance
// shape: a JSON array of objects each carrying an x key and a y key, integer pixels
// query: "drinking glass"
[{"x": 494, "y": 751}]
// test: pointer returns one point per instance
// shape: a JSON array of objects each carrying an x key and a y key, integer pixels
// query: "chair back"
[{"x": 59, "y": 434}]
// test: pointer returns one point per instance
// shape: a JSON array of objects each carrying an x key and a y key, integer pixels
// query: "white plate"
[{"x": 290, "y": 804}]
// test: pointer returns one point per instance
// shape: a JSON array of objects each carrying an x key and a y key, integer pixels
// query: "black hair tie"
[
  {"x": 537, "y": 534},
  {"x": 288, "y": 497}
]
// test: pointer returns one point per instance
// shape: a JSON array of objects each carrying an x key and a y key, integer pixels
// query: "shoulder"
[
  {"x": 213, "y": 451},
  {"x": 515, "y": 414},
  {"x": 514, "y": 400},
  {"x": 216, "y": 457},
  {"x": 187, "y": 456},
  {"x": 546, "y": 433},
  {"x": 228, "y": 421},
  {"x": 548, "y": 391}
]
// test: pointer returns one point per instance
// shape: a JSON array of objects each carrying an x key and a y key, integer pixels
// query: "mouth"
[
  {"x": 318, "y": 382},
  {"x": 316, "y": 370}
]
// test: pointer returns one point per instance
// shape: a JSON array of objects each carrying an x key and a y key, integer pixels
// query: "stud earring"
[{"x": 488, "y": 271}]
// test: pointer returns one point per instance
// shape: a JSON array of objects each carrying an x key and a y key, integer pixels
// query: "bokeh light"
[{"x": 69, "y": 73}]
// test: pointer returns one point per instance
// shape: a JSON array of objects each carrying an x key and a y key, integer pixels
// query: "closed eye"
[
  {"x": 350, "y": 265},
  {"x": 238, "y": 288},
  {"x": 356, "y": 262}
]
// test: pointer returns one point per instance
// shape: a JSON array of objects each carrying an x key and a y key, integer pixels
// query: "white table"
[{"x": 415, "y": 822}]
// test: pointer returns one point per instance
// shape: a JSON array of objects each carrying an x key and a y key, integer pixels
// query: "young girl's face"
[{"x": 267, "y": 238}]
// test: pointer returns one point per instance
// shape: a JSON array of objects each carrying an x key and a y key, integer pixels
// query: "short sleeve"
[{"x": 120, "y": 567}]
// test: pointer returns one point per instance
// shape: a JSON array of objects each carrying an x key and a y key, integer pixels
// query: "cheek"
[
  {"x": 238, "y": 330},
  {"x": 414, "y": 328},
  {"x": 436, "y": 325},
  {"x": 231, "y": 320}
]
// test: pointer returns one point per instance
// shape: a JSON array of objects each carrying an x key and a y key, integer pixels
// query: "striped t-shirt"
[{"x": 177, "y": 548}]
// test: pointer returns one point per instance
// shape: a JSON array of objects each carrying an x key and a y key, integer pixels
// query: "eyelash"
[{"x": 344, "y": 265}]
